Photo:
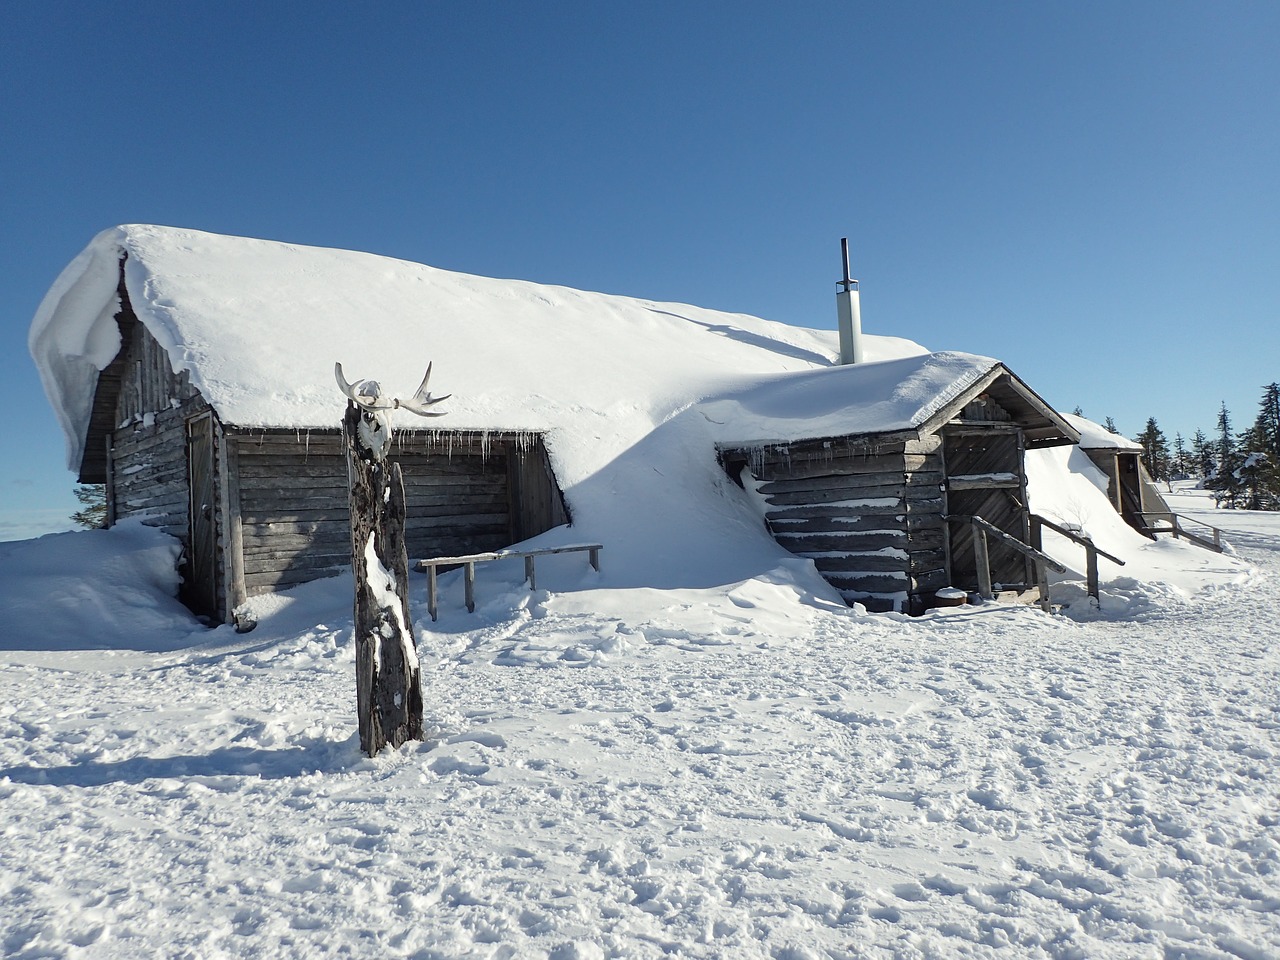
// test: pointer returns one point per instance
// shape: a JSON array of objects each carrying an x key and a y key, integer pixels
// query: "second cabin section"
[{"x": 884, "y": 515}]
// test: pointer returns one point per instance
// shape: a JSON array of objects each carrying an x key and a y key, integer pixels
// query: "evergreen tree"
[
  {"x": 1180, "y": 466},
  {"x": 1111, "y": 426},
  {"x": 1078, "y": 412},
  {"x": 93, "y": 511},
  {"x": 1259, "y": 453},
  {"x": 1155, "y": 450},
  {"x": 1202, "y": 454},
  {"x": 1267, "y": 425},
  {"x": 1225, "y": 481}
]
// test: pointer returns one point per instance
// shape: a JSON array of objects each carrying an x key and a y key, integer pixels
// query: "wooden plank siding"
[
  {"x": 465, "y": 493},
  {"x": 868, "y": 516},
  {"x": 986, "y": 478}
]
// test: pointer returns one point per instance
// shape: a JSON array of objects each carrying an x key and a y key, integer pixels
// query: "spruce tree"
[
  {"x": 1225, "y": 481},
  {"x": 1155, "y": 450},
  {"x": 93, "y": 512},
  {"x": 1202, "y": 454},
  {"x": 1180, "y": 466},
  {"x": 1267, "y": 424},
  {"x": 1259, "y": 452},
  {"x": 1111, "y": 426}
]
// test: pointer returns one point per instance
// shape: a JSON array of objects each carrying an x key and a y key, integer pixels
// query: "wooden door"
[
  {"x": 200, "y": 591},
  {"x": 985, "y": 478}
]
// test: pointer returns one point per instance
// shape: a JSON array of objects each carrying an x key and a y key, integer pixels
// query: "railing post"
[
  {"x": 982, "y": 561},
  {"x": 1037, "y": 533},
  {"x": 1091, "y": 572},
  {"x": 1042, "y": 581}
]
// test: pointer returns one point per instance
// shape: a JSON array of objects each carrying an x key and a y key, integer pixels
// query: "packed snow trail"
[{"x": 642, "y": 773}]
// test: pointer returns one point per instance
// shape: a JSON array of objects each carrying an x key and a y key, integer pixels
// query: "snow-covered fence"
[
  {"x": 468, "y": 563},
  {"x": 1211, "y": 541},
  {"x": 1091, "y": 552}
]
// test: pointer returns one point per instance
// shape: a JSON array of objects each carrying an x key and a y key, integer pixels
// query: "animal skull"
[{"x": 374, "y": 431}]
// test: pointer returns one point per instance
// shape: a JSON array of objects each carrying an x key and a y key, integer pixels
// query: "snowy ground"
[{"x": 738, "y": 771}]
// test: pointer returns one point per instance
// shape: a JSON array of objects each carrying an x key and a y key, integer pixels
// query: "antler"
[
  {"x": 368, "y": 394},
  {"x": 422, "y": 399}
]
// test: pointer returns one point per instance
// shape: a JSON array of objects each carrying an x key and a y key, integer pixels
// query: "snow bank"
[
  {"x": 94, "y": 589},
  {"x": 741, "y": 771},
  {"x": 1064, "y": 485}
]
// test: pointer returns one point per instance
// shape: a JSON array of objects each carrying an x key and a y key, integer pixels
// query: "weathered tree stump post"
[
  {"x": 388, "y": 689},
  {"x": 388, "y": 694}
]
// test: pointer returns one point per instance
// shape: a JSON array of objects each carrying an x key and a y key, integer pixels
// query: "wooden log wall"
[
  {"x": 149, "y": 470},
  {"x": 148, "y": 443},
  {"x": 464, "y": 494},
  {"x": 869, "y": 518}
]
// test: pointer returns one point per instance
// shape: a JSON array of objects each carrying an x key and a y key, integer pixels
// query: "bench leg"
[
  {"x": 594, "y": 556},
  {"x": 433, "y": 596},
  {"x": 529, "y": 573},
  {"x": 469, "y": 579}
]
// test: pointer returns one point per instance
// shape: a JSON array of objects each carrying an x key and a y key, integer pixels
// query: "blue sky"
[{"x": 1090, "y": 192}]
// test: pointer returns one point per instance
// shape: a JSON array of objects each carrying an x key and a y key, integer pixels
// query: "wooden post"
[
  {"x": 982, "y": 560},
  {"x": 1091, "y": 573},
  {"x": 1042, "y": 582},
  {"x": 433, "y": 593},
  {"x": 388, "y": 694},
  {"x": 469, "y": 584}
]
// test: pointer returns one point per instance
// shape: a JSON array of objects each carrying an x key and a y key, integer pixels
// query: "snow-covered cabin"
[
  {"x": 1129, "y": 486},
  {"x": 874, "y": 495},
  {"x": 193, "y": 374}
]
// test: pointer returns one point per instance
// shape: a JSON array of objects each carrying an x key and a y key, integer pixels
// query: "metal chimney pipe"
[{"x": 849, "y": 313}]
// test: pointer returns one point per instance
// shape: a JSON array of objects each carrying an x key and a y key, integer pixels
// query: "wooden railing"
[
  {"x": 1091, "y": 552},
  {"x": 982, "y": 558},
  {"x": 468, "y": 563},
  {"x": 1175, "y": 527}
]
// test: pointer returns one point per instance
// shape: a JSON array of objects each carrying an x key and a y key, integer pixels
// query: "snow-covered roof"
[
  {"x": 868, "y": 398},
  {"x": 259, "y": 324},
  {"x": 1094, "y": 436}
]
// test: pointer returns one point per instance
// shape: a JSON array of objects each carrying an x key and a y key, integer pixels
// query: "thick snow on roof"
[
  {"x": 1094, "y": 436},
  {"x": 878, "y": 397},
  {"x": 259, "y": 325}
]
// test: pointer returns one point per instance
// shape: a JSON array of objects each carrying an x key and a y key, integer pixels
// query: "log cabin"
[
  {"x": 882, "y": 512},
  {"x": 192, "y": 375}
]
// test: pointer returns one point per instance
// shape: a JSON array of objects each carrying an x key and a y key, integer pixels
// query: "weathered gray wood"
[
  {"x": 982, "y": 563},
  {"x": 834, "y": 511},
  {"x": 110, "y": 491},
  {"x": 984, "y": 483},
  {"x": 835, "y": 524},
  {"x": 798, "y": 467},
  {"x": 859, "y": 564},
  {"x": 871, "y": 582},
  {"x": 816, "y": 543},
  {"x": 896, "y": 490},
  {"x": 928, "y": 580},
  {"x": 848, "y": 481},
  {"x": 388, "y": 692}
]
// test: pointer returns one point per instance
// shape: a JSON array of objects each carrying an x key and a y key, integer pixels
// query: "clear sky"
[{"x": 1087, "y": 191}]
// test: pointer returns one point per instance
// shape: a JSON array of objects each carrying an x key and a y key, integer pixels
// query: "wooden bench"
[{"x": 468, "y": 563}]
